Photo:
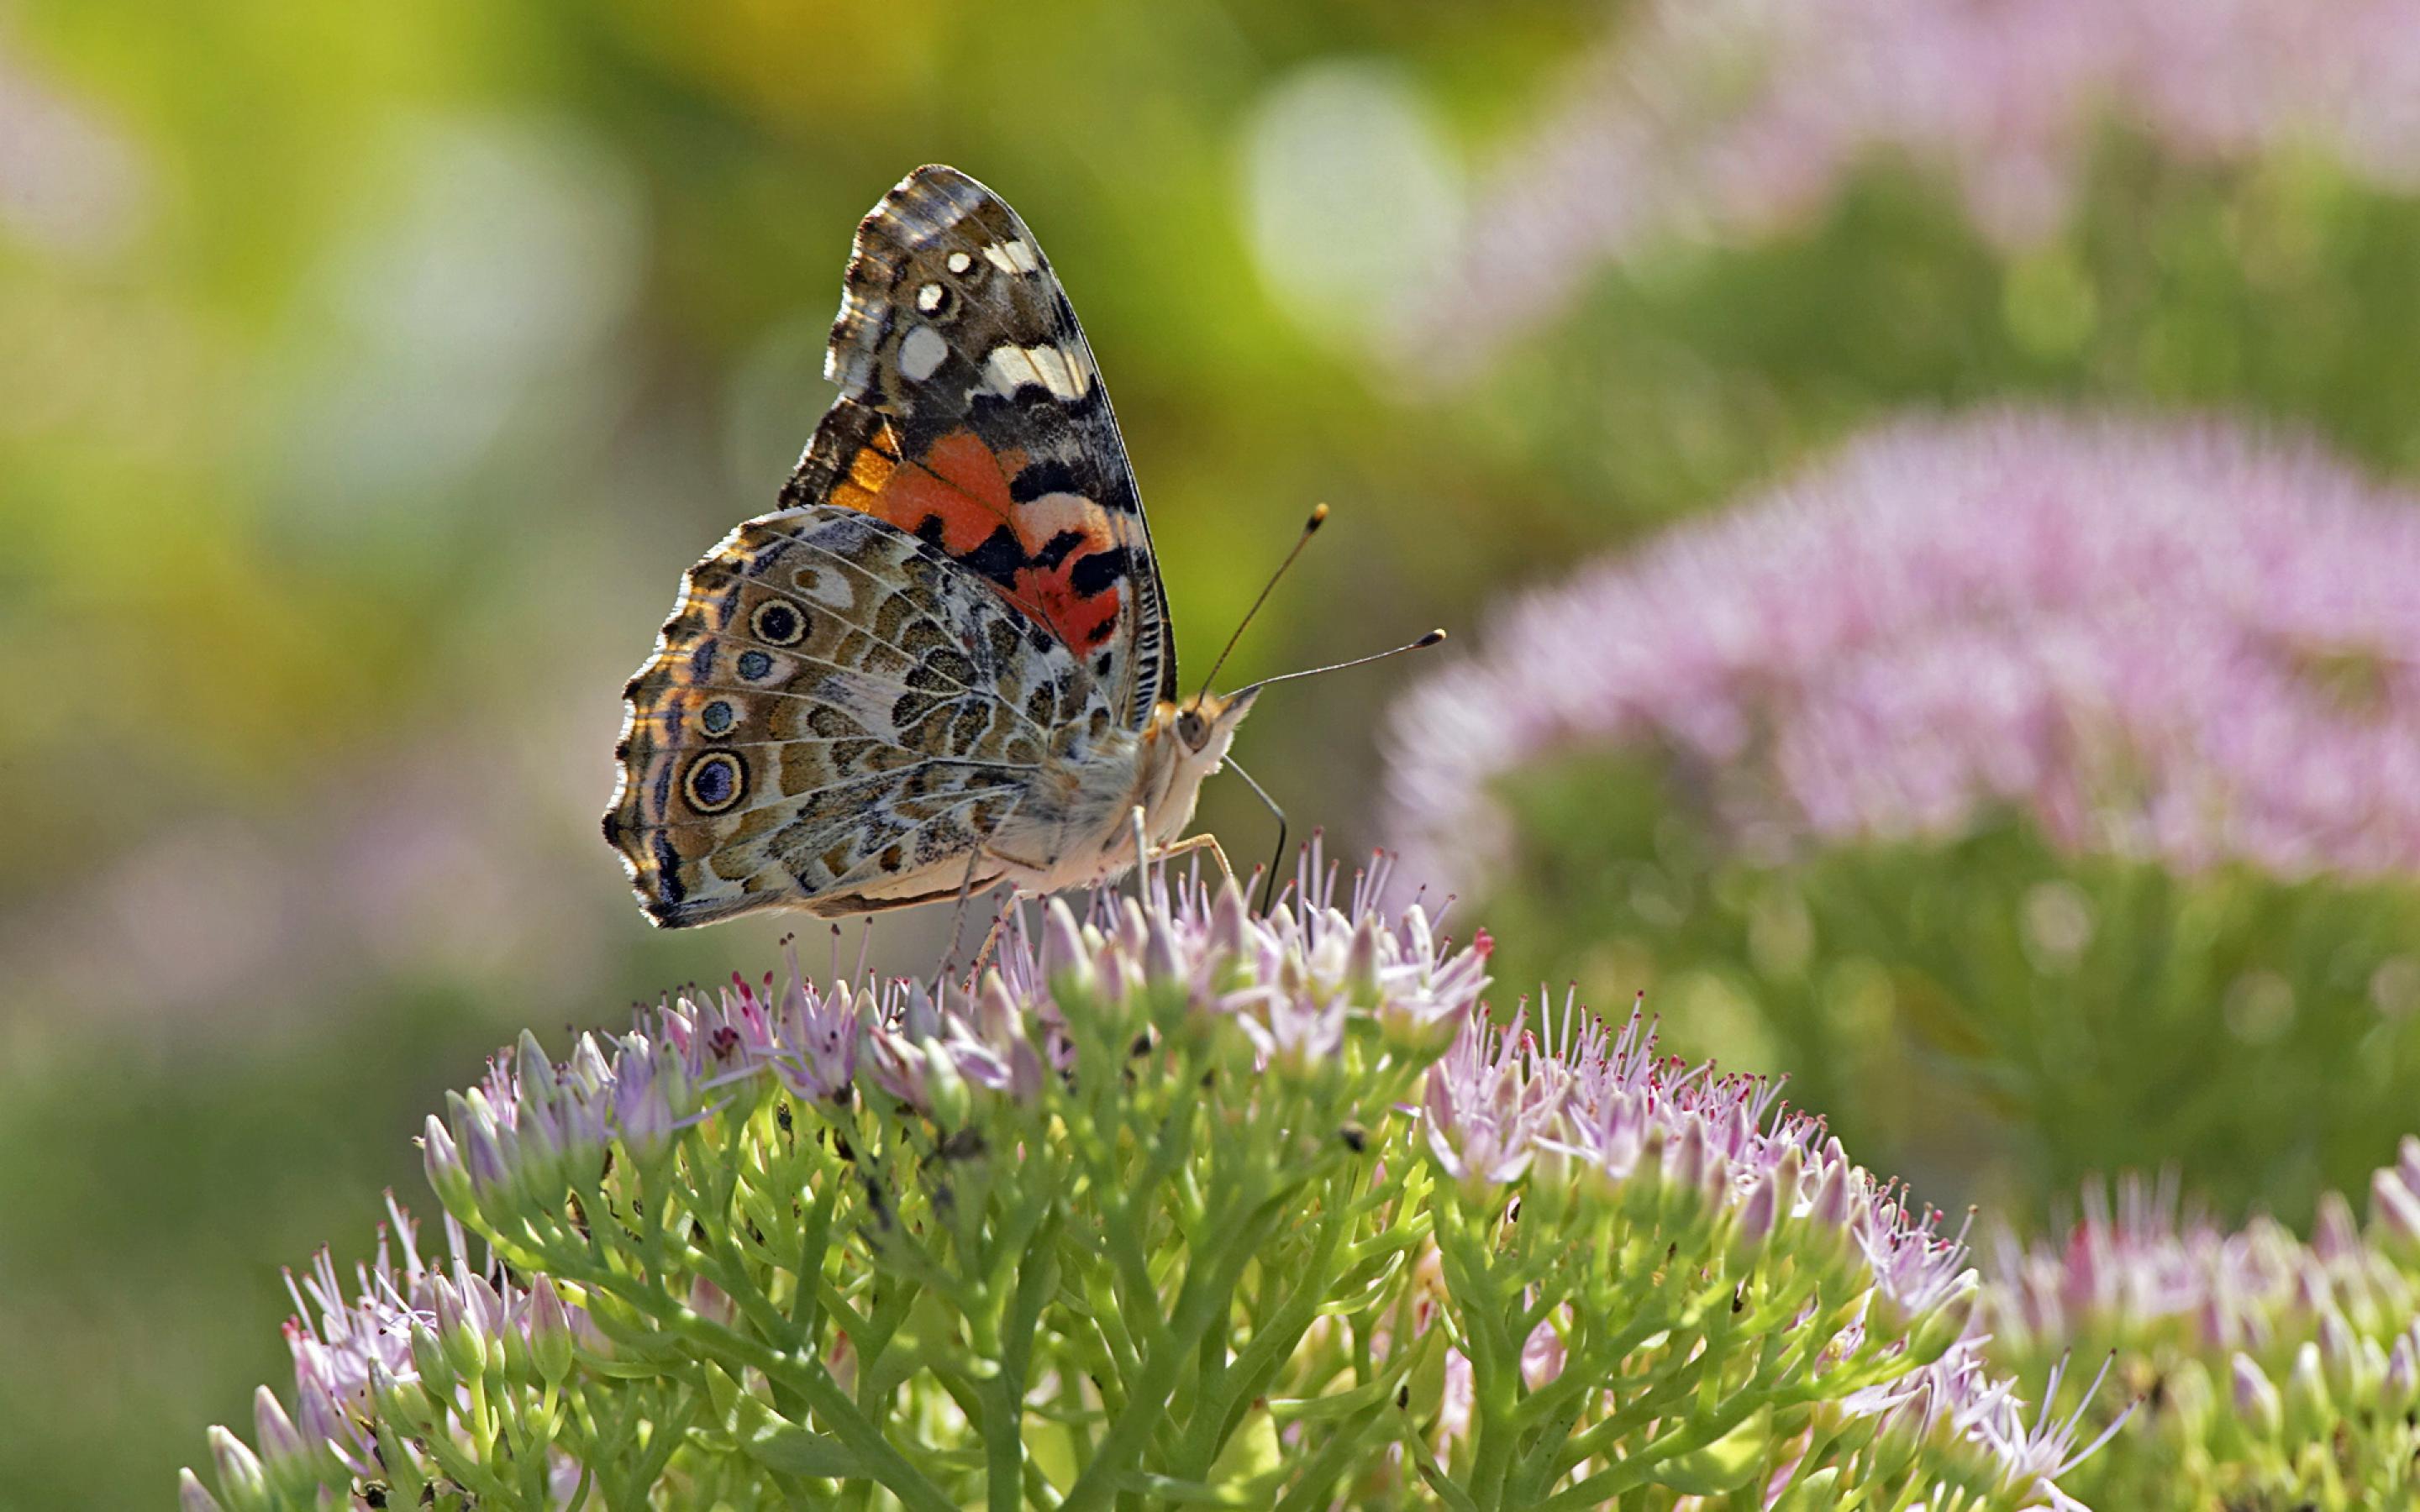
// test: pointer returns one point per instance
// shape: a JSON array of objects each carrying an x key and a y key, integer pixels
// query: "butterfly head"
[{"x": 1202, "y": 727}]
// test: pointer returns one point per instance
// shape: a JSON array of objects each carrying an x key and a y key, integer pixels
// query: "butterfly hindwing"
[
  {"x": 837, "y": 716},
  {"x": 973, "y": 417}
]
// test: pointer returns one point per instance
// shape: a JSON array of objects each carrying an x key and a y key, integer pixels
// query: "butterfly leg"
[
  {"x": 991, "y": 940},
  {"x": 1192, "y": 844},
  {"x": 958, "y": 921}
]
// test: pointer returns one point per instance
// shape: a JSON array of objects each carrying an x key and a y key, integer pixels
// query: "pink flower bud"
[
  {"x": 2257, "y": 1402},
  {"x": 192, "y": 1497}
]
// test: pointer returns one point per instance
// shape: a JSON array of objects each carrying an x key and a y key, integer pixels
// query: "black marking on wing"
[
  {"x": 1098, "y": 572},
  {"x": 1049, "y": 476}
]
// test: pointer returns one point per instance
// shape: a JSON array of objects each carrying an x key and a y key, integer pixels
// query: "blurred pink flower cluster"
[
  {"x": 2158, "y": 638},
  {"x": 2138, "y": 1268},
  {"x": 2140, "y": 1263},
  {"x": 1731, "y": 117}
]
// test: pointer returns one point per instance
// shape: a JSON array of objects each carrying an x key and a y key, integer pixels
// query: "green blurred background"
[{"x": 368, "y": 376}]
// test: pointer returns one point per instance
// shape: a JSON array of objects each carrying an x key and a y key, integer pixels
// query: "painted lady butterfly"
[{"x": 946, "y": 662}]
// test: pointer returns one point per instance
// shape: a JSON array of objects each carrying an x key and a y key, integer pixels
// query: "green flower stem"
[
  {"x": 667, "y": 1430},
  {"x": 1229, "y": 1398},
  {"x": 1432, "y": 1473},
  {"x": 1639, "y": 1469},
  {"x": 808, "y": 1305},
  {"x": 800, "y": 1373},
  {"x": 471, "y": 1470},
  {"x": 1006, "y": 1464},
  {"x": 830, "y": 1403},
  {"x": 1345, "y": 1447},
  {"x": 1083, "y": 1318},
  {"x": 1483, "y": 1302},
  {"x": 881, "y": 1322},
  {"x": 1202, "y": 1302},
  {"x": 1661, "y": 1391}
]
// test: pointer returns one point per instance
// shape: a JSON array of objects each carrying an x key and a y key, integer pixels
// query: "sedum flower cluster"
[
  {"x": 1728, "y": 120},
  {"x": 1180, "y": 1205},
  {"x": 2078, "y": 758},
  {"x": 2271, "y": 1372},
  {"x": 2171, "y": 640}
]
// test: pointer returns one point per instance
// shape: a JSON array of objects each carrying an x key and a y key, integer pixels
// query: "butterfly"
[{"x": 944, "y": 662}]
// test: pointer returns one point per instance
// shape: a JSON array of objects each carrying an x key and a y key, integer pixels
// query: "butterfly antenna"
[
  {"x": 1270, "y": 887},
  {"x": 1433, "y": 638},
  {"x": 1310, "y": 528}
]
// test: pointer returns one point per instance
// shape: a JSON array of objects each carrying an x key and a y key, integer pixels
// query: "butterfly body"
[
  {"x": 944, "y": 664},
  {"x": 1082, "y": 812}
]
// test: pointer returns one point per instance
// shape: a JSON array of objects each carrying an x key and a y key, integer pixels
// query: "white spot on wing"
[
  {"x": 929, "y": 298},
  {"x": 1013, "y": 256},
  {"x": 961, "y": 262},
  {"x": 1067, "y": 374},
  {"x": 920, "y": 354}
]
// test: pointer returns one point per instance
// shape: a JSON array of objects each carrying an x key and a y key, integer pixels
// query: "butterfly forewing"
[{"x": 973, "y": 416}]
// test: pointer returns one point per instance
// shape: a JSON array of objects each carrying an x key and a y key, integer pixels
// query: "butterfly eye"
[{"x": 1192, "y": 730}]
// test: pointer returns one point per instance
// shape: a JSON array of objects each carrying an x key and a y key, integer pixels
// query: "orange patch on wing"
[
  {"x": 958, "y": 482},
  {"x": 1082, "y": 623},
  {"x": 959, "y": 491}
]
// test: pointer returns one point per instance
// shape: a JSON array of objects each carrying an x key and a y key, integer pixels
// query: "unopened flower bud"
[
  {"x": 947, "y": 1101},
  {"x": 1118, "y": 975},
  {"x": 533, "y": 1071},
  {"x": 1361, "y": 964},
  {"x": 1159, "y": 963},
  {"x": 2400, "y": 1386},
  {"x": 192, "y": 1496},
  {"x": 446, "y": 1173},
  {"x": 590, "y": 1346},
  {"x": 428, "y": 1359},
  {"x": 643, "y": 1111},
  {"x": 457, "y": 1333},
  {"x": 550, "y": 1331},
  {"x": 588, "y": 1065},
  {"x": 1227, "y": 920},
  {"x": 1715, "y": 1187},
  {"x": 281, "y": 1446},
  {"x": 398, "y": 1401},
  {"x": 508, "y": 1350},
  {"x": 2334, "y": 1232},
  {"x": 1828, "y": 1213},
  {"x": 2395, "y": 1209},
  {"x": 481, "y": 1142},
  {"x": 1066, "y": 965},
  {"x": 2339, "y": 1358},
  {"x": 2256, "y": 1402},
  {"x": 240, "y": 1476},
  {"x": 1654, "y": 1155},
  {"x": 1788, "y": 1172},
  {"x": 317, "y": 1415},
  {"x": 2308, "y": 1410},
  {"x": 1556, "y": 1172},
  {"x": 1688, "y": 1164},
  {"x": 1902, "y": 1432},
  {"x": 1755, "y": 1225}
]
